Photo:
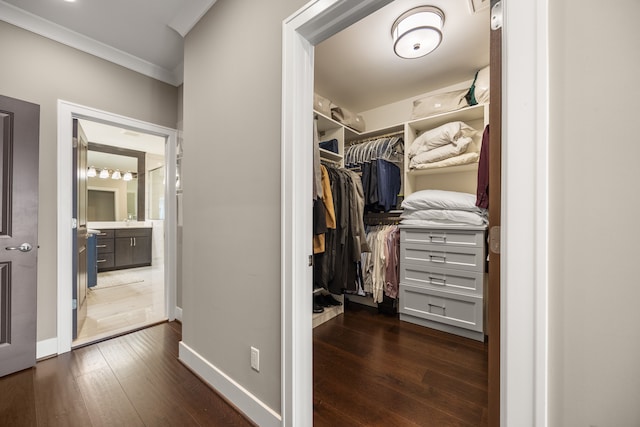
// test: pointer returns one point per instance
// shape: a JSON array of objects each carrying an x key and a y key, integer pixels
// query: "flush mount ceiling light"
[{"x": 417, "y": 32}]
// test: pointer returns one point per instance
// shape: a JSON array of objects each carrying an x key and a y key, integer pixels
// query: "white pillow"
[
  {"x": 442, "y": 135},
  {"x": 445, "y": 216},
  {"x": 440, "y": 199},
  {"x": 444, "y": 152},
  {"x": 435, "y": 223},
  {"x": 482, "y": 86}
]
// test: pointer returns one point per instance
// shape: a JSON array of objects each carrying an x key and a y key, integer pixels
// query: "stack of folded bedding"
[
  {"x": 454, "y": 143},
  {"x": 439, "y": 207}
]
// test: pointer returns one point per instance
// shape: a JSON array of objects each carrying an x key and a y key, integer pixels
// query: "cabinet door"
[
  {"x": 141, "y": 253},
  {"x": 124, "y": 251}
]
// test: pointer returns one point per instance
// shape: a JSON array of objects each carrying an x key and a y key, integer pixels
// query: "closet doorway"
[
  {"x": 363, "y": 53},
  {"x": 527, "y": 176},
  {"x": 137, "y": 243}
]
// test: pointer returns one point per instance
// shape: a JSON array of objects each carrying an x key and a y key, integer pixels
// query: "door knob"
[{"x": 25, "y": 247}]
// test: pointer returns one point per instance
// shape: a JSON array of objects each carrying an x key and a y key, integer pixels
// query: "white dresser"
[{"x": 442, "y": 275}]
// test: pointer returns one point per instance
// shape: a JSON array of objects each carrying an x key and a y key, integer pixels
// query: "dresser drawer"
[
  {"x": 468, "y": 238},
  {"x": 133, "y": 232},
  {"x": 104, "y": 246},
  {"x": 470, "y": 259},
  {"x": 464, "y": 311},
  {"x": 447, "y": 279},
  {"x": 106, "y": 234},
  {"x": 105, "y": 261}
]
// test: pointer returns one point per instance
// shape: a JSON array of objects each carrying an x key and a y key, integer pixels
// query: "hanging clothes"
[
  {"x": 482, "y": 193},
  {"x": 381, "y": 176},
  {"x": 336, "y": 268},
  {"x": 324, "y": 216},
  {"x": 381, "y": 267}
]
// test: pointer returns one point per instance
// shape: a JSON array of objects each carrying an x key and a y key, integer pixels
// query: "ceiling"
[
  {"x": 144, "y": 35},
  {"x": 356, "y": 68},
  {"x": 124, "y": 138}
]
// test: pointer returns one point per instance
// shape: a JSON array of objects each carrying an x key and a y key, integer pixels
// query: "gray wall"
[
  {"x": 42, "y": 71},
  {"x": 231, "y": 168},
  {"x": 594, "y": 320}
]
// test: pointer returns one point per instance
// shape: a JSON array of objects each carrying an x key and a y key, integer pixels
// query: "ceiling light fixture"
[
  {"x": 116, "y": 174},
  {"x": 417, "y": 32},
  {"x": 128, "y": 176},
  {"x": 91, "y": 172},
  {"x": 104, "y": 174}
]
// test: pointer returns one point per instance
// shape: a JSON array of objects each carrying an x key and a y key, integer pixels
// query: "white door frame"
[
  {"x": 66, "y": 112},
  {"x": 524, "y": 241}
]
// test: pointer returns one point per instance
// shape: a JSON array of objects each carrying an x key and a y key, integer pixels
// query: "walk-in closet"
[{"x": 400, "y": 219}]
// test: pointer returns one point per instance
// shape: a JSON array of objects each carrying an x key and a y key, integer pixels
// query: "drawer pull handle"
[
  {"x": 438, "y": 239},
  {"x": 101, "y": 246},
  {"x": 436, "y": 281},
  {"x": 101, "y": 260},
  {"x": 437, "y": 258},
  {"x": 436, "y": 306}
]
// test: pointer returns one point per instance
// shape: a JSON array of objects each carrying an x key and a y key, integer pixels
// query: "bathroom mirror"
[{"x": 116, "y": 198}]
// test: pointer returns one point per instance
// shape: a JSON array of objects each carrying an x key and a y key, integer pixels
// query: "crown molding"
[
  {"x": 60, "y": 34},
  {"x": 189, "y": 16}
]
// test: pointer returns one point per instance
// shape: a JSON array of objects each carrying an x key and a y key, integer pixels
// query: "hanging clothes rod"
[
  {"x": 328, "y": 162},
  {"x": 373, "y": 138}
]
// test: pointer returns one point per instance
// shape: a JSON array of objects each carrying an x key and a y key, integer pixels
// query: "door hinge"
[
  {"x": 494, "y": 239},
  {"x": 74, "y": 304},
  {"x": 496, "y": 16},
  {"x": 74, "y": 223}
]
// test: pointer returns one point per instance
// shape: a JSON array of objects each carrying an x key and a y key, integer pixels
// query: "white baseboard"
[
  {"x": 178, "y": 313},
  {"x": 46, "y": 348},
  {"x": 243, "y": 400}
]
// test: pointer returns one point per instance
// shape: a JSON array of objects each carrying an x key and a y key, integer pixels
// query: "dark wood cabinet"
[{"x": 124, "y": 248}]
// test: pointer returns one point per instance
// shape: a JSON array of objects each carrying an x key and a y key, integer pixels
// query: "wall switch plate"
[{"x": 255, "y": 359}]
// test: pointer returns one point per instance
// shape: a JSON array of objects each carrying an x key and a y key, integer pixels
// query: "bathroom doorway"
[
  {"x": 125, "y": 221},
  {"x": 126, "y": 270}
]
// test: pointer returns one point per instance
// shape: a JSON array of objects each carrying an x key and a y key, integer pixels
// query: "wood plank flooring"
[
  {"x": 131, "y": 380},
  {"x": 369, "y": 370},
  {"x": 372, "y": 369}
]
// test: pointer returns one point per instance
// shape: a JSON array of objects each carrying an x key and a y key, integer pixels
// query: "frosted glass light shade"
[
  {"x": 116, "y": 174},
  {"x": 127, "y": 176},
  {"x": 104, "y": 174},
  {"x": 91, "y": 172},
  {"x": 417, "y": 32}
]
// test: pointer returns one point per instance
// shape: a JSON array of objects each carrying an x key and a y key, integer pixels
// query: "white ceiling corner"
[{"x": 189, "y": 16}]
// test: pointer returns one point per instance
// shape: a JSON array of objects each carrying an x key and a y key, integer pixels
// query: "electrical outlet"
[{"x": 255, "y": 359}]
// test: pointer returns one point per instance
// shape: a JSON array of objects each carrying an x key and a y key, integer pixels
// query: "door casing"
[
  {"x": 67, "y": 111},
  {"x": 524, "y": 211}
]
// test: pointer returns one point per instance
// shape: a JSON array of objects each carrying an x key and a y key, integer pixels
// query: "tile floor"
[{"x": 122, "y": 301}]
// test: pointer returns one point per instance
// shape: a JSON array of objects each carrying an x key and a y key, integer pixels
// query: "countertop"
[{"x": 100, "y": 225}]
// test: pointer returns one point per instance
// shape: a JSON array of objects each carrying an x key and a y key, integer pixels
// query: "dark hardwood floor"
[
  {"x": 372, "y": 369},
  {"x": 369, "y": 370},
  {"x": 132, "y": 380}
]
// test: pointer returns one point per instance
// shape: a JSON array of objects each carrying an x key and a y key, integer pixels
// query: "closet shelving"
[
  {"x": 412, "y": 180},
  {"x": 476, "y": 116}
]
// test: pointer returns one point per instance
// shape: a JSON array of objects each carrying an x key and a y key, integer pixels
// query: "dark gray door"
[
  {"x": 19, "y": 139},
  {"x": 80, "y": 236}
]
